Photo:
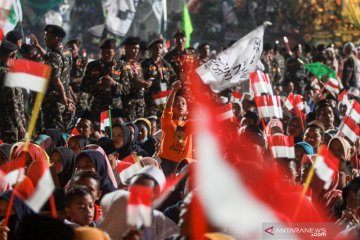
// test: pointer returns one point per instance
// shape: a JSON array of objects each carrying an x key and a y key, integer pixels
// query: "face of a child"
[
  {"x": 74, "y": 145},
  {"x": 85, "y": 163},
  {"x": 81, "y": 210},
  {"x": 143, "y": 133},
  {"x": 180, "y": 107},
  {"x": 92, "y": 185},
  {"x": 57, "y": 162},
  {"x": 118, "y": 137}
]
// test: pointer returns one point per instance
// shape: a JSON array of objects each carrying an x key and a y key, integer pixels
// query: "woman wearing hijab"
[
  {"x": 63, "y": 162},
  {"x": 340, "y": 148},
  {"x": 45, "y": 142},
  {"x": 134, "y": 144},
  {"x": 77, "y": 143},
  {"x": 34, "y": 153},
  {"x": 145, "y": 139},
  {"x": 56, "y": 137},
  {"x": 20, "y": 210},
  {"x": 93, "y": 160},
  {"x": 293, "y": 128},
  {"x": 4, "y": 153},
  {"x": 121, "y": 138}
]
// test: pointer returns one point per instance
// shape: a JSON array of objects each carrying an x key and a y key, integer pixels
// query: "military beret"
[
  {"x": 7, "y": 47},
  {"x": 179, "y": 34},
  {"x": 74, "y": 41},
  {"x": 13, "y": 36},
  {"x": 56, "y": 30},
  {"x": 108, "y": 43},
  {"x": 131, "y": 41},
  {"x": 155, "y": 41}
]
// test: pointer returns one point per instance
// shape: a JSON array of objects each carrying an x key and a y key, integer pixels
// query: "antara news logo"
[{"x": 278, "y": 231}]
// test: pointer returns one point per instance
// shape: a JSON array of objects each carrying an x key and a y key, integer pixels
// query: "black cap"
[
  {"x": 155, "y": 41},
  {"x": 7, "y": 47},
  {"x": 131, "y": 41},
  {"x": 179, "y": 34},
  {"x": 108, "y": 43},
  {"x": 74, "y": 41},
  {"x": 13, "y": 36},
  {"x": 56, "y": 30},
  {"x": 107, "y": 145}
]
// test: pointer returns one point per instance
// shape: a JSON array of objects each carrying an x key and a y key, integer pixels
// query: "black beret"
[
  {"x": 155, "y": 41},
  {"x": 7, "y": 47},
  {"x": 108, "y": 43},
  {"x": 74, "y": 41},
  {"x": 56, "y": 30},
  {"x": 179, "y": 34},
  {"x": 13, "y": 36},
  {"x": 107, "y": 145},
  {"x": 131, "y": 41}
]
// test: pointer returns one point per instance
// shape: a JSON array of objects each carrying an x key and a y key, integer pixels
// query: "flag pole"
[
  {"x": 110, "y": 123},
  {"x": 53, "y": 206}
]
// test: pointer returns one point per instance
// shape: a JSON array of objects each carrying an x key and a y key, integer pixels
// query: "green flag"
[
  {"x": 187, "y": 26},
  {"x": 319, "y": 70}
]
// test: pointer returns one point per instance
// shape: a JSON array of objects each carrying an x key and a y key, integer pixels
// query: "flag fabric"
[
  {"x": 161, "y": 97},
  {"x": 232, "y": 66},
  {"x": 139, "y": 209},
  {"x": 326, "y": 165},
  {"x": 269, "y": 106},
  {"x": 320, "y": 70},
  {"x": 294, "y": 100},
  {"x": 28, "y": 74},
  {"x": 120, "y": 15},
  {"x": 127, "y": 173},
  {"x": 282, "y": 146},
  {"x": 11, "y": 15},
  {"x": 13, "y": 171},
  {"x": 260, "y": 83},
  {"x": 224, "y": 112},
  {"x": 236, "y": 97},
  {"x": 332, "y": 85},
  {"x": 126, "y": 162},
  {"x": 187, "y": 25},
  {"x": 37, "y": 186},
  {"x": 343, "y": 98},
  {"x": 348, "y": 128},
  {"x": 104, "y": 120},
  {"x": 354, "y": 112}
]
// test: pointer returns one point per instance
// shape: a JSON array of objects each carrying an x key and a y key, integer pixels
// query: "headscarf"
[
  {"x": 298, "y": 138},
  {"x": 101, "y": 168},
  {"x": 90, "y": 233},
  {"x": 346, "y": 147},
  {"x": 45, "y": 142},
  {"x": 36, "y": 152},
  {"x": 273, "y": 123},
  {"x": 83, "y": 141},
  {"x": 307, "y": 147},
  {"x": 68, "y": 158},
  {"x": 109, "y": 169},
  {"x": 5, "y": 149},
  {"x": 125, "y": 150},
  {"x": 134, "y": 144},
  {"x": 21, "y": 211},
  {"x": 56, "y": 136}
]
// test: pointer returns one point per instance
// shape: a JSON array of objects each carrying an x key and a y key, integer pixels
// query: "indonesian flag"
[
  {"x": 332, "y": 85},
  {"x": 354, "y": 112},
  {"x": 125, "y": 163},
  {"x": 13, "y": 171},
  {"x": 37, "y": 186},
  {"x": 282, "y": 146},
  {"x": 130, "y": 171},
  {"x": 260, "y": 83},
  {"x": 348, "y": 128},
  {"x": 269, "y": 106},
  {"x": 28, "y": 74},
  {"x": 139, "y": 209},
  {"x": 104, "y": 120},
  {"x": 343, "y": 98},
  {"x": 161, "y": 97},
  {"x": 294, "y": 100},
  {"x": 326, "y": 166},
  {"x": 236, "y": 97},
  {"x": 224, "y": 112}
]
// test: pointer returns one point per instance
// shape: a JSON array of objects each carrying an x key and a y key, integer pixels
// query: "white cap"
[{"x": 154, "y": 173}]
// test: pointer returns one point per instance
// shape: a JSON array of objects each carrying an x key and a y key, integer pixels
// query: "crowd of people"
[{"x": 92, "y": 165}]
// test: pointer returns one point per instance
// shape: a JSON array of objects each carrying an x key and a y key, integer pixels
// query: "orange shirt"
[{"x": 176, "y": 142}]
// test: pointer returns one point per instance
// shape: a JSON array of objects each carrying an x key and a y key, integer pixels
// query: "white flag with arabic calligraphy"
[{"x": 233, "y": 65}]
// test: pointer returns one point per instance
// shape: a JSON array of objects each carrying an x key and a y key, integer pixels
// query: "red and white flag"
[
  {"x": 260, "y": 83},
  {"x": 269, "y": 106},
  {"x": 14, "y": 171},
  {"x": 343, "y": 98},
  {"x": 236, "y": 97},
  {"x": 282, "y": 146},
  {"x": 354, "y": 112},
  {"x": 139, "y": 209},
  {"x": 294, "y": 100},
  {"x": 28, "y": 74},
  {"x": 326, "y": 166},
  {"x": 348, "y": 128},
  {"x": 332, "y": 85},
  {"x": 224, "y": 112},
  {"x": 104, "y": 120},
  {"x": 37, "y": 186},
  {"x": 161, "y": 97}
]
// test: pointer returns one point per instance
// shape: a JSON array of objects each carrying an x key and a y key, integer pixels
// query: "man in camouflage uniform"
[
  {"x": 57, "y": 105},
  {"x": 76, "y": 75},
  {"x": 161, "y": 75},
  {"x": 270, "y": 63},
  {"x": 12, "y": 116},
  {"x": 131, "y": 72},
  {"x": 177, "y": 56},
  {"x": 102, "y": 80}
]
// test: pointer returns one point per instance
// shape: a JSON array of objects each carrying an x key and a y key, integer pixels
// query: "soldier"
[
  {"x": 15, "y": 37},
  {"x": 131, "y": 72},
  {"x": 102, "y": 80},
  {"x": 76, "y": 75},
  {"x": 57, "y": 103},
  {"x": 176, "y": 56},
  {"x": 12, "y": 117},
  {"x": 204, "y": 53},
  {"x": 160, "y": 73}
]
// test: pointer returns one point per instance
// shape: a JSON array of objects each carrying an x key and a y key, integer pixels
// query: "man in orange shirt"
[{"x": 176, "y": 142}]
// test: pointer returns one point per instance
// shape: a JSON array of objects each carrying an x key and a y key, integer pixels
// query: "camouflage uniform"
[
  {"x": 12, "y": 115},
  {"x": 55, "y": 114},
  {"x": 176, "y": 58},
  {"x": 104, "y": 98},
  {"x": 162, "y": 76},
  {"x": 134, "y": 102}
]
